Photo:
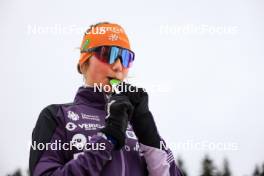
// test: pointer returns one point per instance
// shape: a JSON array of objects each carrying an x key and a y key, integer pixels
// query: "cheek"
[
  {"x": 98, "y": 70},
  {"x": 125, "y": 72}
]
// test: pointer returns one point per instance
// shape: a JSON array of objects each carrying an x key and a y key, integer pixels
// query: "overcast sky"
[{"x": 205, "y": 55}]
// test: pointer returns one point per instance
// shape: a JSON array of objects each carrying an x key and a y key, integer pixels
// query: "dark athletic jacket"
[{"x": 78, "y": 123}]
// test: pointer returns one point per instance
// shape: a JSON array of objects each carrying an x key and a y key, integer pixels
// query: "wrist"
[
  {"x": 107, "y": 137},
  {"x": 111, "y": 139},
  {"x": 115, "y": 136}
]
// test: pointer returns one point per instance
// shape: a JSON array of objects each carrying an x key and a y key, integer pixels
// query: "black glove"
[
  {"x": 119, "y": 112},
  {"x": 142, "y": 121}
]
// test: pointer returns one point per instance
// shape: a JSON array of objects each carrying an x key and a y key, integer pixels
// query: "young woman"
[{"x": 101, "y": 132}]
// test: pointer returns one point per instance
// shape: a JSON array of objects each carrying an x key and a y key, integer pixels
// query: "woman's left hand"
[{"x": 142, "y": 120}]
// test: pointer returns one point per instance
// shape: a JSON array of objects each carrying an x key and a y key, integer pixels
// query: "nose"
[{"x": 117, "y": 65}]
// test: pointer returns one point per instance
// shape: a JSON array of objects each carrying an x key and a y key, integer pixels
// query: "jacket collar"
[{"x": 90, "y": 96}]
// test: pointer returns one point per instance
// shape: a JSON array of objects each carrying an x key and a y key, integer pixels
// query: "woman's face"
[{"x": 97, "y": 72}]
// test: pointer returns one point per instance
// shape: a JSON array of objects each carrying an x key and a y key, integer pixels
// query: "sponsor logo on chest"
[
  {"x": 75, "y": 117},
  {"x": 70, "y": 126},
  {"x": 90, "y": 117},
  {"x": 90, "y": 126}
]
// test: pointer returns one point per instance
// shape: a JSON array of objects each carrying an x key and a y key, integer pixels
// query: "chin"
[{"x": 104, "y": 83}]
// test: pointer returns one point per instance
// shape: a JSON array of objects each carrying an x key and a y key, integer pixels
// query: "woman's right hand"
[{"x": 119, "y": 112}]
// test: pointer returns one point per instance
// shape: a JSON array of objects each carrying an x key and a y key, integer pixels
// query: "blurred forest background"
[{"x": 208, "y": 168}]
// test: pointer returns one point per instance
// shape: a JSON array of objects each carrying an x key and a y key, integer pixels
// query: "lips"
[{"x": 109, "y": 78}]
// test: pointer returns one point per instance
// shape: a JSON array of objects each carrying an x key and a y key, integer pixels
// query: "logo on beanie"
[
  {"x": 86, "y": 44},
  {"x": 113, "y": 37}
]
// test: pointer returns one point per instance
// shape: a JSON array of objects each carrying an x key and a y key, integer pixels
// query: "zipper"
[
  {"x": 122, "y": 163},
  {"x": 107, "y": 97}
]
